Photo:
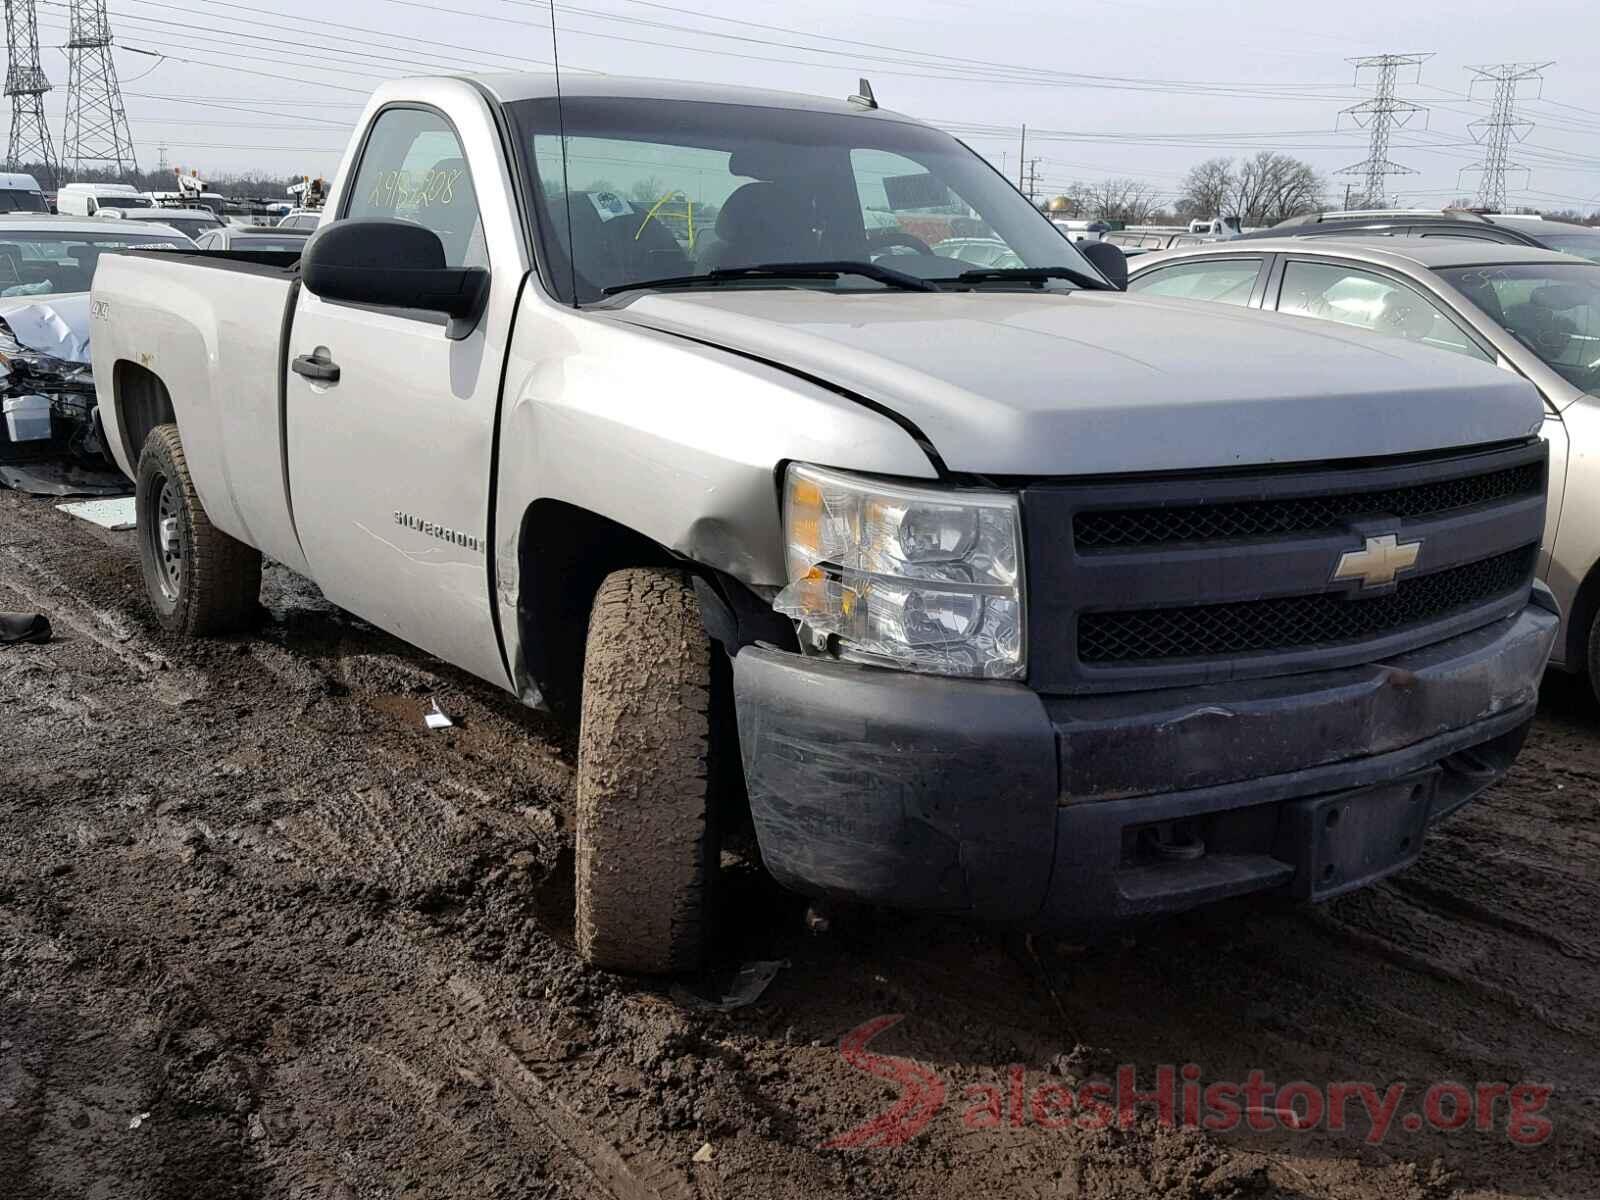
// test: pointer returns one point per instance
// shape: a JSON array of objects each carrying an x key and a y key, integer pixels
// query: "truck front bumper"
[{"x": 1079, "y": 813}]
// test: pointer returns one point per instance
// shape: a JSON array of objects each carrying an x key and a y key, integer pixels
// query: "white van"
[
  {"x": 87, "y": 199},
  {"x": 21, "y": 193}
]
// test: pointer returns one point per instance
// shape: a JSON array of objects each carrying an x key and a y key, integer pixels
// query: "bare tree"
[
  {"x": 1130, "y": 201},
  {"x": 1572, "y": 217},
  {"x": 647, "y": 191},
  {"x": 1273, "y": 187},
  {"x": 1207, "y": 189},
  {"x": 1263, "y": 190}
]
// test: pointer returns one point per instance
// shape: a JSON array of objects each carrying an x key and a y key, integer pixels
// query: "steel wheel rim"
[{"x": 166, "y": 544}]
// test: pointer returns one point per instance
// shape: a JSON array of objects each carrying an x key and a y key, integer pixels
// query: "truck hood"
[{"x": 1086, "y": 383}]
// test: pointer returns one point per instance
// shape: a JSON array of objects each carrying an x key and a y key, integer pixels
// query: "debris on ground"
[
  {"x": 746, "y": 987},
  {"x": 113, "y": 513},
  {"x": 43, "y": 477},
  {"x": 435, "y": 717},
  {"x": 23, "y": 627}
]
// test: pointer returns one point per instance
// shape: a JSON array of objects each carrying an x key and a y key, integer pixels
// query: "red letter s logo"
[{"x": 922, "y": 1098}]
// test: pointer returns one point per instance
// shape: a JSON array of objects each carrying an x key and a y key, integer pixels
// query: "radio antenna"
[{"x": 561, "y": 129}]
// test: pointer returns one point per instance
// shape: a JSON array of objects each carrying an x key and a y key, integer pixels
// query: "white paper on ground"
[{"x": 115, "y": 513}]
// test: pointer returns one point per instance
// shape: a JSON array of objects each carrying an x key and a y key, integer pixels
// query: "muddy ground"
[{"x": 262, "y": 935}]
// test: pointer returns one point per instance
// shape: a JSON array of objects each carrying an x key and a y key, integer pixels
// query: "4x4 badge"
[{"x": 1378, "y": 562}]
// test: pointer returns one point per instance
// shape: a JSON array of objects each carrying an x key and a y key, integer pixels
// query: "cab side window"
[
  {"x": 1368, "y": 300},
  {"x": 1227, "y": 282},
  {"x": 413, "y": 169}
]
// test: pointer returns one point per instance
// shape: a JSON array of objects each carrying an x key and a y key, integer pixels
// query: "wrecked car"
[
  {"x": 991, "y": 591},
  {"x": 50, "y": 433}
]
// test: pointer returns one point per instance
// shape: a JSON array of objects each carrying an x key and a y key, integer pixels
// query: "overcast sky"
[{"x": 274, "y": 85}]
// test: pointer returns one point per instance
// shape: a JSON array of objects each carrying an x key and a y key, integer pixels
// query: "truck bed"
[
  {"x": 250, "y": 262},
  {"x": 211, "y": 326}
]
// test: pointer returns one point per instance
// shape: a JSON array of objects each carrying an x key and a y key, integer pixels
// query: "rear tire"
[
  {"x": 200, "y": 580},
  {"x": 647, "y": 844}
]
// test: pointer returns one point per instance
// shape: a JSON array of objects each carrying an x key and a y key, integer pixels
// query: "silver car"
[{"x": 1533, "y": 312}]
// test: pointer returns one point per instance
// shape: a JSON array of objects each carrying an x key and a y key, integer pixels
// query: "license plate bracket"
[{"x": 1347, "y": 840}]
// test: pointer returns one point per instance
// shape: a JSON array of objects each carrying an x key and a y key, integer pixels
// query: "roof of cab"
[
  {"x": 1428, "y": 253},
  {"x": 511, "y": 87}
]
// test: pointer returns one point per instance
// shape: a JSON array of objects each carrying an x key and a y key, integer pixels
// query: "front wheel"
[
  {"x": 200, "y": 580},
  {"x": 1592, "y": 646},
  {"x": 647, "y": 844}
]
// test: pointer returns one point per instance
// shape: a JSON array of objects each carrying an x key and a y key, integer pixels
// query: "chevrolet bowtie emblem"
[{"x": 1378, "y": 562}]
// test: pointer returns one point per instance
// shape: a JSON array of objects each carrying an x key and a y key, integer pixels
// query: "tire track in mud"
[
  {"x": 316, "y": 924},
  {"x": 597, "y": 1141},
  {"x": 46, "y": 591},
  {"x": 416, "y": 844}
]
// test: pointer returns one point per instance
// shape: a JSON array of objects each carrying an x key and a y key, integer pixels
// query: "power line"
[
  {"x": 276, "y": 23},
  {"x": 1380, "y": 116},
  {"x": 1501, "y": 127},
  {"x": 229, "y": 67},
  {"x": 26, "y": 85}
]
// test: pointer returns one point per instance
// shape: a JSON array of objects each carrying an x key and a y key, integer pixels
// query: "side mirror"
[
  {"x": 393, "y": 264},
  {"x": 1109, "y": 260}
]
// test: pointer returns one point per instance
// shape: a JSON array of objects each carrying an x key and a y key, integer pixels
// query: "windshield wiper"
[
  {"x": 1033, "y": 275},
  {"x": 826, "y": 271}
]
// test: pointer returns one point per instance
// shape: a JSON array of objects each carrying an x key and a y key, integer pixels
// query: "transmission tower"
[
  {"x": 1501, "y": 127},
  {"x": 1380, "y": 116},
  {"x": 97, "y": 125},
  {"x": 26, "y": 85}
]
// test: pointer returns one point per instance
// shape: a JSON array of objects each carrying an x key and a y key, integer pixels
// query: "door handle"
[{"x": 321, "y": 370}]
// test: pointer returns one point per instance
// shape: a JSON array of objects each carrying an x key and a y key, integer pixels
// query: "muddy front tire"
[
  {"x": 647, "y": 846},
  {"x": 200, "y": 580}
]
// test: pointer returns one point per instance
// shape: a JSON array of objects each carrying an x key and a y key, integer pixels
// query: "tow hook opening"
[{"x": 1169, "y": 841}]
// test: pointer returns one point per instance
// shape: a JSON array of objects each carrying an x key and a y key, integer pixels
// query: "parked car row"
[
  {"x": 51, "y": 432},
  {"x": 1513, "y": 229},
  {"x": 866, "y": 507}
]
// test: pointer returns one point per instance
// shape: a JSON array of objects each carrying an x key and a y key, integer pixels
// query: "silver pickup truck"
[{"x": 987, "y": 590}]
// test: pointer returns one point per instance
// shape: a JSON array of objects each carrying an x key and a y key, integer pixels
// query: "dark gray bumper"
[{"x": 989, "y": 800}]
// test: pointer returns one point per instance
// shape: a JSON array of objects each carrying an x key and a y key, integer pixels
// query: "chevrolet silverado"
[{"x": 987, "y": 590}]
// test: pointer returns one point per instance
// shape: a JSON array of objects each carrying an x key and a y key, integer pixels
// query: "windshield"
[
  {"x": 191, "y": 226},
  {"x": 22, "y": 202},
  {"x": 40, "y": 263},
  {"x": 1552, "y": 309},
  {"x": 125, "y": 202},
  {"x": 657, "y": 189},
  {"x": 1585, "y": 244}
]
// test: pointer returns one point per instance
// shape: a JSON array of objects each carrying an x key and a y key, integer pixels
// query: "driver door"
[{"x": 390, "y": 420}]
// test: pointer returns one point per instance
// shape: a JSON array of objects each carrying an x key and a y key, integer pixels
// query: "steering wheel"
[{"x": 879, "y": 240}]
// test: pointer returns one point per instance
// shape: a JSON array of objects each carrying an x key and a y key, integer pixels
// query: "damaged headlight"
[{"x": 920, "y": 579}]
